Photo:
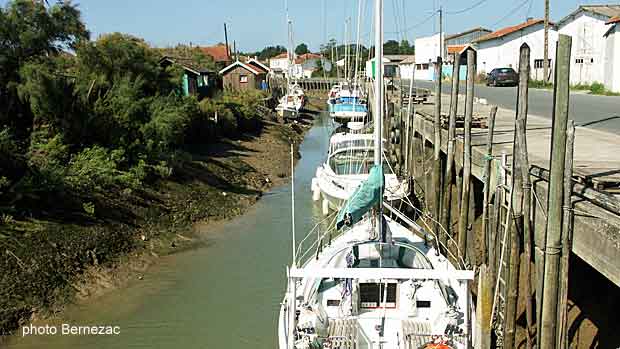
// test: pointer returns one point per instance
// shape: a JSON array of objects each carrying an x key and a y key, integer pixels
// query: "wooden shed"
[
  {"x": 242, "y": 76},
  {"x": 197, "y": 81}
]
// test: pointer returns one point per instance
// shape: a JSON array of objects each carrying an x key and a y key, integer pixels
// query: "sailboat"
[
  {"x": 294, "y": 98},
  {"x": 349, "y": 104},
  {"x": 370, "y": 281},
  {"x": 347, "y": 166}
]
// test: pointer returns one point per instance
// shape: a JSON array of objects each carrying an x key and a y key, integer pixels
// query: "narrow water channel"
[{"x": 226, "y": 295}]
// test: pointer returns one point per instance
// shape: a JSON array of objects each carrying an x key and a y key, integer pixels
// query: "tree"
[
  {"x": 30, "y": 31},
  {"x": 391, "y": 47},
  {"x": 406, "y": 48},
  {"x": 301, "y": 49},
  {"x": 271, "y": 51}
]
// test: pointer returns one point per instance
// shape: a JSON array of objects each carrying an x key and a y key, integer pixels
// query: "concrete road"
[{"x": 597, "y": 112}]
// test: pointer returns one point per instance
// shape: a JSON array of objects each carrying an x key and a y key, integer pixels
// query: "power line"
[
  {"x": 529, "y": 9},
  {"x": 408, "y": 29},
  {"x": 467, "y": 9},
  {"x": 512, "y": 12}
]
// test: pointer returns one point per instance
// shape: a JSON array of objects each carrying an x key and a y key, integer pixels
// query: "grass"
[
  {"x": 595, "y": 88},
  {"x": 540, "y": 84}
]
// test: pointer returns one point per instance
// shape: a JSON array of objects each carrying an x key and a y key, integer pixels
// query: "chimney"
[{"x": 529, "y": 19}]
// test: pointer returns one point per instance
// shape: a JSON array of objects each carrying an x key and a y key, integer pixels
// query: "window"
[
  {"x": 371, "y": 295},
  {"x": 243, "y": 78},
  {"x": 579, "y": 60},
  {"x": 538, "y": 63}
]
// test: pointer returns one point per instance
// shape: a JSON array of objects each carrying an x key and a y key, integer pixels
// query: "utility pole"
[
  {"x": 441, "y": 34},
  {"x": 226, "y": 39},
  {"x": 546, "y": 48}
]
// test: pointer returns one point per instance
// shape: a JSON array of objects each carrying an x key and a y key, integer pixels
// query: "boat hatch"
[{"x": 374, "y": 295}]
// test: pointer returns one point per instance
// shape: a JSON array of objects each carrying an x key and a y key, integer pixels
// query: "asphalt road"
[{"x": 597, "y": 112}]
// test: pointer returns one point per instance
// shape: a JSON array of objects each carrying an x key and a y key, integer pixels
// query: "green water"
[{"x": 226, "y": 295}]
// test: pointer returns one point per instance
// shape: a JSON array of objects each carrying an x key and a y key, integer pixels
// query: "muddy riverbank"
[
  {"x": 209, "y": 185},
  {"x": 225, "y": 293}
]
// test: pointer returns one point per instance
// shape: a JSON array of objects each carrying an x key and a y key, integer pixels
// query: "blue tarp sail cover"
[
  {"x": 366, "y": 196},
  {"x": 346, "y": 107}
]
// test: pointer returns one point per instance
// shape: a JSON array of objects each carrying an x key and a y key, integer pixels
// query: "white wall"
[
  {"x": 588, "y": 49},
  {"x": 612, "y": 60},
  {"x": 278, "y": 63},
  {"x": 427, "y": 49},
  {"x": 406, "y": 71},
  {"x": 504, "y": 52},
  {"x": 369, "y": 65}
]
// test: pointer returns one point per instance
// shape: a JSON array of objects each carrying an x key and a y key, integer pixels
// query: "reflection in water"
[{"x": 224, "y": 296}]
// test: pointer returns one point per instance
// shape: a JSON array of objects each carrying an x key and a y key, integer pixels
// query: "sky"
[{"x": 254, "y": 24}]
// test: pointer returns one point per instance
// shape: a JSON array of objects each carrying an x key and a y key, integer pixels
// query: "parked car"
[{"x": 502, "y": 76}]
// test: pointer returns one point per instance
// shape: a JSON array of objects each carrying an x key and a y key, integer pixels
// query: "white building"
[
  {"x": 500, "y": 49},
  {"x": 370, "y": 66},
  {"x": 407, "y": 67},
  {"x": 279, "y": 62},
  {"x": 393, "y": 66},
  {"x": 427, "y": 49},
  {"x": 280, "y": 65},
  {"x": 586, "y": 25},
  {"x": 612, "y": 55}
]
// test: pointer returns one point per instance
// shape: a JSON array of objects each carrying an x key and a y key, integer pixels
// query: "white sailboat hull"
[
  {"x": 338, "y": 189},
  {"x": 418, "y": 314}
]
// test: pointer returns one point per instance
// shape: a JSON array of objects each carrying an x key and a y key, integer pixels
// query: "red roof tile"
[
  {"x": 455, "y": 48},
  {"x": 615, "y": 19},
  {"x": 257, "y": 66},
  {"x": 509, "y": 30},
  {"x": 309, "y": 56},
  {"x": 306, "y": 56},
  {"x": 247, "y": 67},
  {"x": 281, "y": 55},
  {"x": 218, "y": 52}
]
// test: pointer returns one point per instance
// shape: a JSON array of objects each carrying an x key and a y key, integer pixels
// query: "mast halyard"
[{"x": 378, "y": 104}]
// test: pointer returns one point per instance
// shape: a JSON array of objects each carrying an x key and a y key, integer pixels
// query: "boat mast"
[
  {"x": 289, "y": 50},
  {"x": 378, "y": 103}
]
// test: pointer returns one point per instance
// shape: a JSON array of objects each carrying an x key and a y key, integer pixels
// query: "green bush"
[
  {"x": 597, "y": 88},
  {"x": 97, "y": 168},
  {"x": 540, "y": 84},
  {"x": 48, "y": 158},
  {"x": 218, "y": 120}
]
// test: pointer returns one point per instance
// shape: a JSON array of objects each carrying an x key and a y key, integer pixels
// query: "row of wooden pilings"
[
  {"x": 312, "y": 84},
  {"x": 507, "y": 239}
]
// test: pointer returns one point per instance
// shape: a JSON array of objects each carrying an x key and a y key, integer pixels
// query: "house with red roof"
[
  {"x": 244, "y": 76},
  {"x": 219, "y": 52},
  {"x": 500, "y": 49},
  {"x": 612, "y": 55},
  {"x": 302, "y": 66},
  {"x": 587, "y": 26},
  {"x": 279, "y": 64}
]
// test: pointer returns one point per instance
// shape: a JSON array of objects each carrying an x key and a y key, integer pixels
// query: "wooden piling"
[
  {"x": 519, "y": 151},
  {"x": 549, "y": 311},
  {"x": 527, "y": 188},
  {"x": 487, "y": 182},
  {"x": 567, "y": 237},
  {"x": 527, "y": 240},
  {"x": 449, "y": 174},
  {"x": 486, "y": 294},
  {"x": 469, "y": 106},
  {"x": 436, "y": 175},
  {"x": 484, "y": 307},
  {"x": 497, "y": 219}
]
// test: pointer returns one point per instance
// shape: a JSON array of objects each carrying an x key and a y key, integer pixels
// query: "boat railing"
[
  {"x": 303, "y": 251},
  {"x": 458, "y": 257}
]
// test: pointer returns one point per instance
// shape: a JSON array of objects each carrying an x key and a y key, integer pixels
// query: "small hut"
[{"x": 244, "y": 76}]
